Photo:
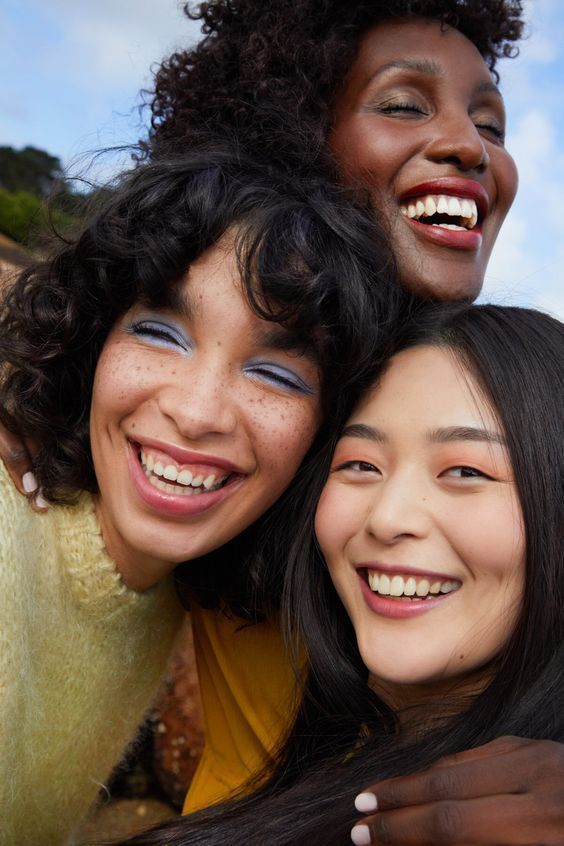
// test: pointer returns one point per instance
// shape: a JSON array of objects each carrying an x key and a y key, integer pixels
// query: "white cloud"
[
  {"x": 116, "y": 42},
  {"x": 527, "y": 266}
]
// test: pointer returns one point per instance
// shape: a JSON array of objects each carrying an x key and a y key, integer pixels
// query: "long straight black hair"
[{"x": 344, "y": 736}]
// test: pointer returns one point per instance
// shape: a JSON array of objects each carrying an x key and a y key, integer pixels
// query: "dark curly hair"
[
  {"x": 308, "y": 259},
  {"x": 268, "y": 72}
]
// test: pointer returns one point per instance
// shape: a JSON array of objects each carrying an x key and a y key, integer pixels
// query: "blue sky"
[{"x": 72, "y": 72}]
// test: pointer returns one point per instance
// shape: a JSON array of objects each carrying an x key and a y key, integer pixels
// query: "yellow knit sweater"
[{"x": 80, "y": 658}]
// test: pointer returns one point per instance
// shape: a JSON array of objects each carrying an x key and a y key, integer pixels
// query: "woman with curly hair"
[
  {"x": 423, "y": 573},
  {"x": 174, "y": 363},
  {"x": 396, "y": 99}
]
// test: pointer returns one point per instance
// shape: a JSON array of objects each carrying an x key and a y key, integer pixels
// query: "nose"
[
  {"x": 400, "y": 509},
  {"x": 201, "y": 403},
  {"x": 457, "y": 141}
]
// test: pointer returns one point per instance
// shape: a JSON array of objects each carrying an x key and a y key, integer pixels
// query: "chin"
[{"x": 445, "y": 288}]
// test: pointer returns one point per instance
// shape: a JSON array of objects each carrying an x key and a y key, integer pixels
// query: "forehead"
[
  {"x": 400, "y": 39},
  {"x": 423, "y": 388}
]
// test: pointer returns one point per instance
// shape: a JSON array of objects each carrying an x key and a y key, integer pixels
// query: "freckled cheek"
[
  {"x": 283, "y": 435},
  {"x": 121, "y": 381}
]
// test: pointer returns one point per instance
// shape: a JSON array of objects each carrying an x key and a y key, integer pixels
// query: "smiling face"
[
  {"x": 421, "y": 526},
  {"x": 420, "y": 122},
  {"x": 200, "y": 417}
]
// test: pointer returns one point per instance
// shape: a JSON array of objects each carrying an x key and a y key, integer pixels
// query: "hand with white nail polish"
[{"x": 17, "y": 454}]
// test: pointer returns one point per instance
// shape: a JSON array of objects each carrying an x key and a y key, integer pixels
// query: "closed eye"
[
  {"x": 280, "y": 377},
  {"x": 493, "y": 129},
  {"x": 400, "y": 107},
  {"x": 159, "y": 334}
]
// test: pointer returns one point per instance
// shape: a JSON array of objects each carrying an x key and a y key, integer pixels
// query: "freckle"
[
  {"x": 461, "y": 657},
  {"x": 133, "y": 425}
]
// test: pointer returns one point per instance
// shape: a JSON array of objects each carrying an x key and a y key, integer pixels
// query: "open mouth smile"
[
  {"x": 168, "y": 477},
  {"x": 409, "y": 588},
  {"x": 404, "y": 595},
  {"x": 455, "y": 213},
  {"x": 181, "y": 484}
]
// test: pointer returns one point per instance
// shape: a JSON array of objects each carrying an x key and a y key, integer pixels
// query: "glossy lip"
[
  {"x": 469, "y": 239},
  {"x": 168, "y": 504},
  {"x": 392, "y": 608}
]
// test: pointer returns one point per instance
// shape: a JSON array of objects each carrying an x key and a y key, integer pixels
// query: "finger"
[
  {"x": 17, "y": 458},
  {"x": 477, "y": 822},
  {"x": 499, "y": 746},
  {"x": 39, "y": 503},
  {"x": 460, "y": 777}
]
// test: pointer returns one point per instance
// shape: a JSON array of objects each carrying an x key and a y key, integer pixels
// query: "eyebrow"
[
  {"x": 284, "y": 340},
  {"x": 367, "y": 433},
  {"x": 430, "y": 68},
  {"x": 445, "y": 435},
  {"x": 465, "y": 433}
]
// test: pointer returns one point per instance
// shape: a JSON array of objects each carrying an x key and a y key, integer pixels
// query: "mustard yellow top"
[{"x": 248, "y": 692}]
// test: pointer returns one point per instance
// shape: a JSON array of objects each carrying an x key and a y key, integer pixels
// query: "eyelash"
[
  {"x": 359, "y": 466},
  {"x": 286, "y": 379},
  {"x": 390, "y": 108},
  {"x": 495, "y": 130},
  {"x": 158, "y": 332},
  {"x": 472, "y": 472}
]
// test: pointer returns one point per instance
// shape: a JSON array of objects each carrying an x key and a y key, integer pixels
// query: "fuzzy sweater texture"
[{"x": 81, "y": 656}]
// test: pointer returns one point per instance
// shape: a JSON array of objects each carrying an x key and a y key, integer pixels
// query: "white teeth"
[
  {"x": 184, "y": 477},
  {"x": 442, "y": 205},
  {"x": 466, "y": 209},
  {"x": 460, "y": 207},
  {"x": 384, "y": 585},
  {"x": 170, "y": 473},
  {"x": 430, "y": 206},
  {"x": 423, "y": 587},
  {"x": 373, "y": 579},
  {"x": 454, "y": 207},
  {"x": 396, "y": 586},
  {"x": 408, "y": 586},
  {"x": 185, "y": 482}
]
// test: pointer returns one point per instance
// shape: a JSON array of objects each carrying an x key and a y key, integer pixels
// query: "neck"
[
  {"x": 417, "y": 706},
  {"x": 138, "y": 572}
]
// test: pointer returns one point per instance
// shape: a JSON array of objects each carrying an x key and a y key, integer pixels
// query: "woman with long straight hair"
[{"x": 424, "y": 578}]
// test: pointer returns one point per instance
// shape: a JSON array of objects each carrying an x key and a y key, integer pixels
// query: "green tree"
[{"x": 30, "y": 169}]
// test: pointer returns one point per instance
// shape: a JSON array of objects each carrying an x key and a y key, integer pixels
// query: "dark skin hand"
[
  {"x": 17, "y": 455},
  {"x": 508, "y": 792}
]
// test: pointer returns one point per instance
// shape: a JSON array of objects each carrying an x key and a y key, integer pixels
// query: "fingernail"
[
  {"x": 360, "y": 835},
  {"x": 40, "y": 501},
  {"x": 29, "y": 482},
  {"x": 366, "y": 803}
]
